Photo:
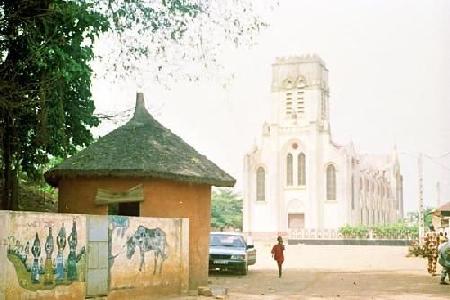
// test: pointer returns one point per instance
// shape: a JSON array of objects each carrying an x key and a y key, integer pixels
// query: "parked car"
[{"x": 229, "y": 251}]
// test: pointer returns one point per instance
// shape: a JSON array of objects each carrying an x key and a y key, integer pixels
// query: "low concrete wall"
[
  {"x": 46, "y": 256},
  {"x": 349, "y": 242}
]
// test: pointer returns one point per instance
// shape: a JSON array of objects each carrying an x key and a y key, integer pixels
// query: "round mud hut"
[{"x": 143, "y": 169}]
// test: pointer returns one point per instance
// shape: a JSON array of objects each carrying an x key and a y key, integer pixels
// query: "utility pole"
[{"x": 421, "y": 225}]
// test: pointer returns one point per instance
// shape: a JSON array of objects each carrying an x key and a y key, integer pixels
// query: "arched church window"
[
  {"x": 301, "y": 169},
  {"x": 289, "y": 169},
  {"x": 260, "y": 184},
  {"x": 331, "y": 182}
]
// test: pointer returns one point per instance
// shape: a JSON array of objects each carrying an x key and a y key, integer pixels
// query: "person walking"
[
  {"x": 431, "y": 250},
  {"x": 444, "y": 261},
  {"x": 277, "y": 254},
  {"x": 443, "y": 238}
]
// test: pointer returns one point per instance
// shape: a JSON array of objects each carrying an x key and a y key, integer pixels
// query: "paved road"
[{"x": 334, "y": 272}]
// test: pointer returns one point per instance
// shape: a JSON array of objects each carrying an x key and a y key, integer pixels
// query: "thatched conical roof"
[
  {"x": 141, "y": 148},
  {"x": 443, "y": 210}
]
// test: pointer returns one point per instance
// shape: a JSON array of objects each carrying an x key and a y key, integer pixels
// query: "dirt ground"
[{"x": 333, "y": 272}]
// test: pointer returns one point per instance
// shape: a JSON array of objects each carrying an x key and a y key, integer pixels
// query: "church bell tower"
[{"x": 300, "y": 92}]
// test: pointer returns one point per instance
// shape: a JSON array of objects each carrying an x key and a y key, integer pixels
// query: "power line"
[
  {"x": 431, "y": 158},
  {"x": 439, "y": 156}
]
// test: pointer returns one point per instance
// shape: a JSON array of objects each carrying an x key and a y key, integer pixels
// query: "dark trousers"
[
  {"x": 280, "y": 268},
  {"x": 444, "y": 272}
]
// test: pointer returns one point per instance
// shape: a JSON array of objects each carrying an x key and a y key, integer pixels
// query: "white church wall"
[
  {"x": 332, "y": 215},
  {"x": 313, "y": 104},
  {"x": 336, "y": 210},
  {"x": 246, "y": 201},
  {"x": 267, "y": 219},
  {"x": 277, "y": 112},
  {"x": 313, "y": 139},
  {"x": 305, "y": 140}
]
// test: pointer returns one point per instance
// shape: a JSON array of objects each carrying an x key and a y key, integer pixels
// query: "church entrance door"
[{"x": 296, "y": 221}]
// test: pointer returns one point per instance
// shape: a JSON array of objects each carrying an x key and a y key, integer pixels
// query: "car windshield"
[{"x": 226, "y": 240}]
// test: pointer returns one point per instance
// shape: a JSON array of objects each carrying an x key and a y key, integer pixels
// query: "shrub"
[{"x": 386, "y": 231}]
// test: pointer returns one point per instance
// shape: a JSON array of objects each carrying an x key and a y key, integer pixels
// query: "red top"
[{"x": 277, "y": 252}]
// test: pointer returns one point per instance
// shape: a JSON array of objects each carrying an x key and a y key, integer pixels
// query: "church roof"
[
  {"x": 445, "y": 207},
  {"x": 375, "y": 161},
  {"x": 141, "y": 148},
  {"x": 443, "y": 210},
  {"x": 295, "y": 59}
]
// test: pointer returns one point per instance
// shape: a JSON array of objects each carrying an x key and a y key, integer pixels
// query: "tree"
[
  {"x": 47, "y": 46},
  {"x": 176, "y": 39},
  {"x": 45, "y": 100},
  {"x": 427, "y": 217},
  {"x": 226, "y": 209}
]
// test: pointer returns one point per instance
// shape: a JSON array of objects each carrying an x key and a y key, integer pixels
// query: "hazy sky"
[{"x": 389, "y": 72}]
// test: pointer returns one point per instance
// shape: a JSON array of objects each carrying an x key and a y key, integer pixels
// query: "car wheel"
[{"x": 244, "y": 270}]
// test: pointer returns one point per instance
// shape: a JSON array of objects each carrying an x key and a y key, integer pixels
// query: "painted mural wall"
[
  {"x": 41, "y": 252},
  {"x": 4, "y": 229},
  {"x": 45, "y": 256},
  {"x": 151, "y": 251}
]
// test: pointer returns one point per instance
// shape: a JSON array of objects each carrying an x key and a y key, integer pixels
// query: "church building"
[{"x": 297, "y": 177}]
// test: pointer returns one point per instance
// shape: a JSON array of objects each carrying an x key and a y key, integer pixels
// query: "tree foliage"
[
  {"x": 226, "y": 209},
  {"x": 427, "y": 217},
  {"x": 398, "y": 230},
  {"x": 175, "y": 39},
  {"x": 46, "y": 52},
  {"x": 45, "y": 100}
]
